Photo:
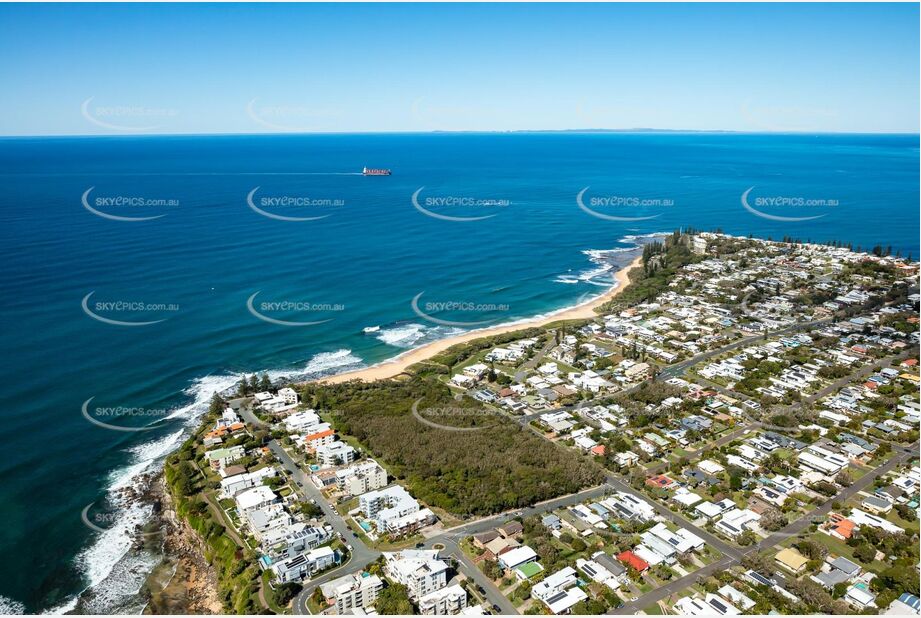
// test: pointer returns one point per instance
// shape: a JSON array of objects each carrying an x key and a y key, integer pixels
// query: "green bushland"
[
  {"x": 500, "y": 467},
  {"x": 661, "y": 260},
  {"x": 442, "y": 362}
]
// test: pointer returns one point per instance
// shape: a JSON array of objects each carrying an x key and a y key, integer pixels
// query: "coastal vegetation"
[
  {"x": 236, "y": 568},
  {"x": 442, "y": 362},
  {"x": 660, "y": 261},
  {"x": 500, "y": 467}
]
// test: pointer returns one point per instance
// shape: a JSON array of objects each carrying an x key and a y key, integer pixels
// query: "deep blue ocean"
[{"x": 193, "y": 268}]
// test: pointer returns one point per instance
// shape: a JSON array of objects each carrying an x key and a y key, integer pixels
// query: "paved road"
[
  {"x": 712, "y": 540},
  {"x": 488, "y": 523},
  {"x": 862, "y": 372},
  {"x": 673, "y": 587},
  {"x": 677, "y": 369},
  {"x": 300, "y": 601},
  {"x": 250, "y": 417},
  {"x": 360, "y": 556},
  {"x": 473, "y": 572},
  {"x": 532, "y": 362},
  {"x": 698, "y": 451},
  {"x": 818, "y": 515},
  {"x": 793, "y": 529},
  {"x": 452, "y": 536}
]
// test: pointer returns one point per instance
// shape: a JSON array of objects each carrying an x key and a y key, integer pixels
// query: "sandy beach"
[{"x": 398, "y": 364}]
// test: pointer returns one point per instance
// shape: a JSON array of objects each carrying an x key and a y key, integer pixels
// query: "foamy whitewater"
[
  {"x": 372, "y": 256},
  {"x": 116, "y": 573}
]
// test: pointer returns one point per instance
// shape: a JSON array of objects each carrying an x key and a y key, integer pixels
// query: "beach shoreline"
[{"x": 398, "y": 365}]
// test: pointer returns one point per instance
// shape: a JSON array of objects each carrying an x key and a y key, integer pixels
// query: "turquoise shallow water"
[{"x": 359, "y": 266}]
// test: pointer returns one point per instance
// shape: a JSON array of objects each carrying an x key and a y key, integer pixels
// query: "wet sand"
[{"x": 399, "y": 364}]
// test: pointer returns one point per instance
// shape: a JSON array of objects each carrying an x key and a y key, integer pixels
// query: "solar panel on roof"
[{"x": 759, "y": 578}]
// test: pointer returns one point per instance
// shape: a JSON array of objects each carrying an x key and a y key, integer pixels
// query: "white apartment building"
[
  {"x": 335, "y": 454},
  {"x": 349, "y": 592},
  {"x": 445, "y": 602},
  {"x": 361, "y": 478},
  {"x": 419, "y": 570}
]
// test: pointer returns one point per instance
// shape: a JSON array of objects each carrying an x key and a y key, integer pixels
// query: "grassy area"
[
  {"x": 236, "y": 568},
  {"x": 270, "y": 597},
  {"x": 653, "y": 610},
  {"x": 910, "y": 526},
  {"x": 347, "y": 506},
  {"x": 313, "y": 607},
  {"x": 839, "y": 548},
  {"x": 449, "y": 520}
]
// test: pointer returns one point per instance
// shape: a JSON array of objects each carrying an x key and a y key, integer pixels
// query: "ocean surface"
[{"x": 226, "y": 281}]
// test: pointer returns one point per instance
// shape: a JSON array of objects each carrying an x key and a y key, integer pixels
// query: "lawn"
[
  {"x": 270, "y": 596},
  {"x": 840, "y": 548},
  {"x": 910, "y": 526}
]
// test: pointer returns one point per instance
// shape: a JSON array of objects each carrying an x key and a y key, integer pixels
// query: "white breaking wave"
[
  {"x": 327, "y": 361},
  {"x": 635, "y": 237},
  {"x": 9, "y": 606},
  {"x": 99, "y": 560},
  {"x": 602, "y": 274},
  {"x": 403, "y": 336},
  {"x": 105, "y": 560},
  {"x": 413, "y": 334},
  {"x": 201, "y": 391}
]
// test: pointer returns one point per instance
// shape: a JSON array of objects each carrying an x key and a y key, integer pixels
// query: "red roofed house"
[
  {"x": 840, "y": 527},
  {"x": 660, "y": 480},
  {"x": 909, "y": 362},
  {"x": 631, "y": 559},
  {"x": 315, "y": 440},
  {"x": 598, "y": 449}
]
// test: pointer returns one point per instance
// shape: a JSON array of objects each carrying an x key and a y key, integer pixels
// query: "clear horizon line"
[{"x": 455, "y": 131}]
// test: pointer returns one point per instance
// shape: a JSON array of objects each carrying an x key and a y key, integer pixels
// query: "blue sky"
[{"x": 249, "y": 68}]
